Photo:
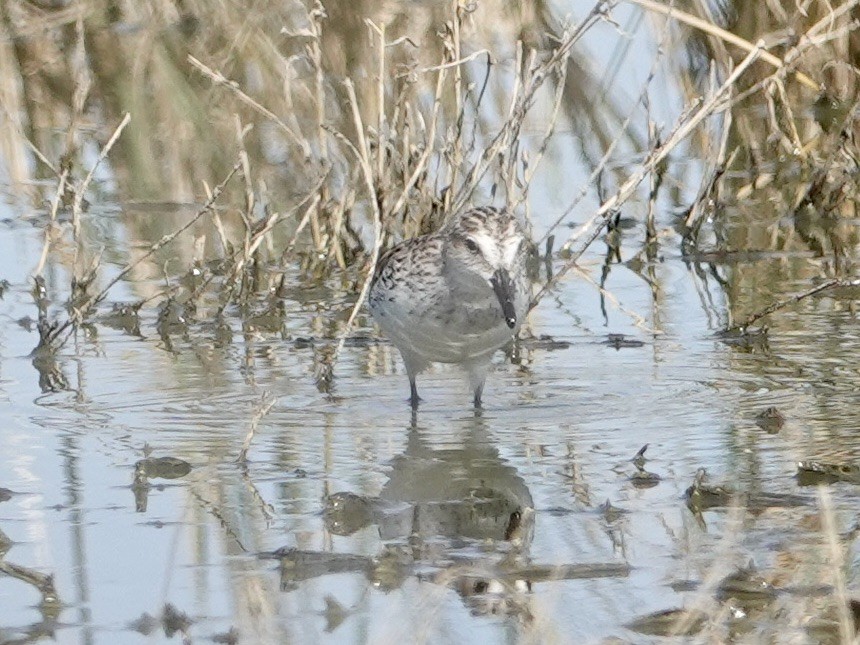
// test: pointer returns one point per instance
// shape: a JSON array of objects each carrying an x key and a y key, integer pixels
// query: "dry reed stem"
[
  {"x": 82, "y": 189},
  {"x": 826, "y": 23},
  {"x": 77, "y": 312},
  {"x": 655, "y": 179},
  {"x": 219, "y": 79},
  {"x": 380, "y": 95},
  {"x": 12, "y": 122},
  {"x": 600, "y": 167},
  {"x": 522, "y": 97},
  {"x": 167, "y": 239},
  {"x": 363, "y": 155},
  {"x": 456, "y": 46},
  {"x": 654, "y": 157},
  {"x": 12, "y": 98},
  {"x": 806, "y": 42},
  {"x": 267, "y": 401},
  {"x": 847, "y": 631},
  {"x": 79, "y": 192},
  {"x": 710, "y": 179},
  {"x": 638, "y": 321},
  {"x": 312, "y": 207},
  {"x": 531, "y": 169},
  {"x": 258, "y": 236},
  {"x": 595, "y": 173},
  {"x": 671, "y": 11},
  {"x": 424, "y": 159},
  {"x": 51, "y": 228},
  {"x": 82, "y": 78},
  {"x": 780, "y": 304},
  {"x": 253, "y": 243},
  {"x": 315, "y": 16}
]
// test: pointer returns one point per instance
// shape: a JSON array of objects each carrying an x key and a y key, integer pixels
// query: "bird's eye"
[{"x": 472, "y": 245}]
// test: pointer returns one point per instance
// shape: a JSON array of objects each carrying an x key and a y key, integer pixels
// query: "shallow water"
[
  {"x": 355, "y": 520},
  {"x": 556, "y": 436}
]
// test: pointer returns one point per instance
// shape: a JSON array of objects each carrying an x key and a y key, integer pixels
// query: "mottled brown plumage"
[{"x": 455, "y": 296}]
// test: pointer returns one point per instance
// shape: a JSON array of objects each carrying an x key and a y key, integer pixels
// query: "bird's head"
[{"x": 487, "y": 247}]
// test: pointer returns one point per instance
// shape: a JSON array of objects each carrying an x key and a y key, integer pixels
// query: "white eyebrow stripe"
[
  {"x": 487, "y": 246},
  {"x": 510, "y": 251}
]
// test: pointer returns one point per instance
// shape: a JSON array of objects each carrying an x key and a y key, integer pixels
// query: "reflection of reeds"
[
  {"x": 356, "y": 124},
  {"x": 429, "y": 113},
  {"x": 280, "y": 73},
  {"x": 791, "y": 155},
  {"x": 413, "y": 122}
]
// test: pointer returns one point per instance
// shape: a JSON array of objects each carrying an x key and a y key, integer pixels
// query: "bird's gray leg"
[
  {"x": 414, "y": 365},
  {"x": 477, "y": 376},
  {"x": 478, "y": 391},
  {"x": 413, "y": 393}
]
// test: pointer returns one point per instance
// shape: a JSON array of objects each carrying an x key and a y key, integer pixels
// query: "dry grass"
[
  {"x": 315, "y": 137},
  {"x": 411, "y": 141}
]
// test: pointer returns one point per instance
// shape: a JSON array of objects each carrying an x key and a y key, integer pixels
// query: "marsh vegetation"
[{"x": 206, "y": 436}]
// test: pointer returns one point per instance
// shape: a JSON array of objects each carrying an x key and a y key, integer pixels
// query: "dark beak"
[{"x": 504, "y": 290}]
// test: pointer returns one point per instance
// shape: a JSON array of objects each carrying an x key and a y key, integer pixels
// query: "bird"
[{"x": 454, "y": 296}]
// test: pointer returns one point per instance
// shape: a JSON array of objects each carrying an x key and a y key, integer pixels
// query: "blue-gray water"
[{"x": 559, "y": 428}]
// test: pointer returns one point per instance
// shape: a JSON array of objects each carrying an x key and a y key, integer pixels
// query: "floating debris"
[
  {"x": 611, "y": 513},
  {"x": 146, "y": 624},
  {"x": 639, "y": 459},
  {"x": 827, "y": 627},
  {"x": 749, "y": 590},
  {"x": 544, "y": 342},
  {"x": 334, "y": 613},
  {"x": 44, "y": 583},
  {"x": 173, "y": 620},
  {"x": 811, "y": 473},
  {"x": 621, "y": 341},
  {"x": 754, "y": 341},
  {"x": 345, "y": 513},
  {"x": 270, "y": 320},
  {"x": 392, "y": 567},
  {"x": 296, "y": 565},
  {"x": 702, "y": 496},
  {"x": 360, "y": 341},
  {"x": 642, "y": 478},
  {"x": 162, "y": 467},
  {"x": 124, "y": 317},
  {"x": 770, "y": 420},
  {"x": 670, "y": 622},
  {"x": 173, "y": 318},
  {"x": 637, "y": 473},
  {"x": 230, "y": 637},
  {"x": 155, "y": 468}
]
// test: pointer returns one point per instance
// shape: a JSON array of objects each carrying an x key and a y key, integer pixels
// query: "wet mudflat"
[{"x": 208, "y": 450}]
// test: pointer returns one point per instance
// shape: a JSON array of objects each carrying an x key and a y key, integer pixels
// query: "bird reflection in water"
[{"x": 462, "y": 505}]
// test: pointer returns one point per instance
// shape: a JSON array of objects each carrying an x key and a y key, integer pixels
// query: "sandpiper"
[{"x": 455, "y": 296}]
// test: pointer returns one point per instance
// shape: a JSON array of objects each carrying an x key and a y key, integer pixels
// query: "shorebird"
[{"x": 455, "y": 296}]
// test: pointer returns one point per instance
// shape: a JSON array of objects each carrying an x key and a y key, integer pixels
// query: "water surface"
[{"x": 355, "y": 520}]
